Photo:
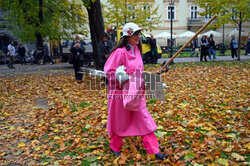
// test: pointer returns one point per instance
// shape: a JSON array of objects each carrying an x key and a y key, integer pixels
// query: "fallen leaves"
[{"x": 203, "y": 122}]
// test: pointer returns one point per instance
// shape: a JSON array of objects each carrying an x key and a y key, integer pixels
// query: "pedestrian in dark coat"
[
  {"x": 21, "y": 51},
  {"x": 46, "y": 55},
  {"x": 104, "y": 48},
  {"x": 204, "y": 48},
  {"x": 234, "y": 47},
  {"x": 248, "y": 46},
  {"x": 152, "y": 42},
  {"x": 77, "y": 51}
]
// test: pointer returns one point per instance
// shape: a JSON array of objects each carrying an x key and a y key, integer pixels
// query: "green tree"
[
  {"x": 229, "y": 11},
  {"x": 142, "y": 12},
  {"x": 36, "y": 20}
]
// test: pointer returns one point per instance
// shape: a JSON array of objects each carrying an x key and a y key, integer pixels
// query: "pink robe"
[{"x": 120, "y": 121}]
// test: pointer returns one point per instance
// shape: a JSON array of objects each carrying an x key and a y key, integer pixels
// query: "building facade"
[{"x": 186, "y": 17}]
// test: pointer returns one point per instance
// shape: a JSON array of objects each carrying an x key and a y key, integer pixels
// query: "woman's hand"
[{"x": 121, "y": 75}]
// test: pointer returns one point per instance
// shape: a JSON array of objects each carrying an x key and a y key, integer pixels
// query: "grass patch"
[
  {"x": 1, "y": 106},
  {"x": 242, "y": 63},
  {"x": 188, "y": 54}
]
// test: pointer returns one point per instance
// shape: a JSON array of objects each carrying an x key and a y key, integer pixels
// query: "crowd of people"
[
  {"x": 207, "y": 47},
  {"x": 24, "y": 56}
]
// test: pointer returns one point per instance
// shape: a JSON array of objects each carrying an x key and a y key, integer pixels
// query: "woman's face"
[{"x": 134, "y": 39}]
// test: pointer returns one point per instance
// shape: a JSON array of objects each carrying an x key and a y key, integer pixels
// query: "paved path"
[
  {"x": 66, "y": 68},
  {"x": 194, "y": 59},
  {"x": 58, "y": 68}
]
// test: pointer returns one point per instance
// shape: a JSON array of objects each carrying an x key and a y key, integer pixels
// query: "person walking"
[
  {"x": 126, "y": 57},
  {"x": 204, "y": 48},
  {"x": 153, "y": 44},
  {"x": 21, "y": 51},
  {"x": 211, "y": 47},
  {"x": 234, "y": 46},
  {"x": 104, "y": 48},
  {"x": 77, "y": 51},
  {"x": 12, "y": 53},
  {"x": 195, "y": 47},
  {"x": 248, "y": 46},
  {"x": 46, "y": 54}
]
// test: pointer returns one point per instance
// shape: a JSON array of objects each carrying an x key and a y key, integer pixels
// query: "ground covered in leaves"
[{"x": 52, "y": 120}]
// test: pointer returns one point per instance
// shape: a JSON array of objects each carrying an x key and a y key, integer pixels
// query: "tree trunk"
[
  {"x": 39, "y": 41},
  {"x": 39, "y": 38},
  {"x": 96, "y": 26},
  {"x": 239, "y": 40}
]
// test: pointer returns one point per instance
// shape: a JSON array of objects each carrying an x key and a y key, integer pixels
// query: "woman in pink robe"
[{"x": 122, "y": 122}]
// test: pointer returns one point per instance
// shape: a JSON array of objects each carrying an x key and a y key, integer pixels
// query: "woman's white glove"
[{"x": 121, "y": 75}]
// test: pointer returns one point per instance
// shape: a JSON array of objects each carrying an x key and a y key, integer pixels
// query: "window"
[
  {"x": 132, "y": 8},
  {"x": 194, "y": 12},
  {"x": 169, "y": 12},
  {"x": 147, "y": 7},
  {"x": 208, "y": 15}
]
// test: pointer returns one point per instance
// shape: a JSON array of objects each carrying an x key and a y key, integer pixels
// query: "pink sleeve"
[{"x": 115, "y": 60}]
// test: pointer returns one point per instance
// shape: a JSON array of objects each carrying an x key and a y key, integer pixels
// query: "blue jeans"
[
  {"x": 23, "y": 60},
  {"x": 211, "y": 51},
  {"x": 4, "y": 60},
  {"x": 45, "y": 57}
]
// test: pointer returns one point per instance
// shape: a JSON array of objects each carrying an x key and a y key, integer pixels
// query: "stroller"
[{"x": 34, "y": 57}]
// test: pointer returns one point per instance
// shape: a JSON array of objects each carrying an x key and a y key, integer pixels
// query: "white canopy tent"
[
  {"x": 163, "y": 38},
  {"x": 235, "y": 32},
  {"x": 187, "y": 34},
  {"x": 164, "y": 35},
  {"x": 215, "y": 34}
]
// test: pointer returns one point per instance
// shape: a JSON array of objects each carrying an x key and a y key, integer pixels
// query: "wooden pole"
[{"x": 185, "y": 45}]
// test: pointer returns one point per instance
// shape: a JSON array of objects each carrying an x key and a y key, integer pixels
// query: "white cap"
[{"x": 130, "y": 28}]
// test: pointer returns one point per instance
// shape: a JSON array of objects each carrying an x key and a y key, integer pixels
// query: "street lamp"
[{"x": 171, "y": 30}]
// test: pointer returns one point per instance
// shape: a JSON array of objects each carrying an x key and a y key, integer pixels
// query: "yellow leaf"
[
  {"x": 238, "y": 157},
  {"x": 248, "y": 146},
  {"x": 47, "y": 152},
  {"x": 83, "y": 146},
  {"x": 21, "y": 144},
  {"x": 12, "y": 128},
  {"x": 104, "y": 121},
  {"x": 2, "y": 154},
  {"x": 99, "y": 157},
  {"x": 187, "y": 141},
  {"x": 65, "y": 110},
  {"x": 56, "y": 138},
  {"x": 6, "y": 114},
  {"x": 46, "y": 163},
  {"x": 56, "y": 130}
]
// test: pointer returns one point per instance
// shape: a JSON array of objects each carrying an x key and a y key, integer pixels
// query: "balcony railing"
[{"x": 195, "y": 22}]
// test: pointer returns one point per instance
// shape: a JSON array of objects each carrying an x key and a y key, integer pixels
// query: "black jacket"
[
  {"x": 211, "y": 44},
  {"x": 104, "y": 50},
  {"x": 45, "y": 50},
  {"x": 77, "y": 52},
  {"x": 21, "y": 51},
  {"x": 152, "y": 43}
]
